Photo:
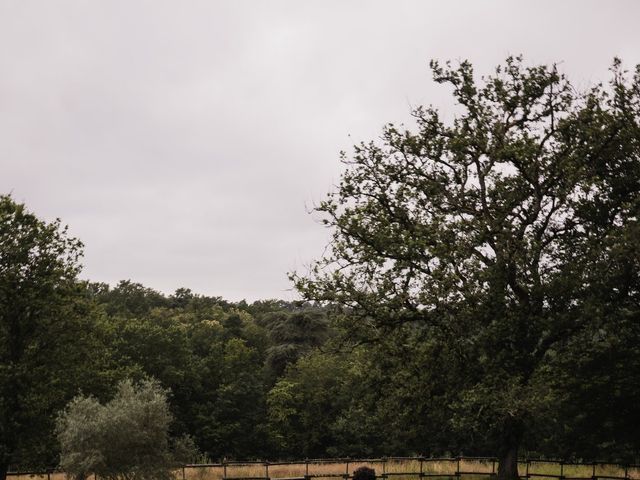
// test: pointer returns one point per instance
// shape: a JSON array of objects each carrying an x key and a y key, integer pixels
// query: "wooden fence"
[
  {"x": 405, "y": 468},
  {"x": 390, "y": 468}
]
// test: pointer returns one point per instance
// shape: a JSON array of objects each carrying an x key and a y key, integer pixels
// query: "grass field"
[{"x": 393, "y": 467}]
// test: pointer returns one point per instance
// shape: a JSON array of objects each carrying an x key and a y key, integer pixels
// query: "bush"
[
  {"x": 126, "y": 438},
  {"x": 364, "y": 473}
]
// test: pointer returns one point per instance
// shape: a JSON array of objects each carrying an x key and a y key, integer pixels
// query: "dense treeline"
[{"x": 276, "y": 379}]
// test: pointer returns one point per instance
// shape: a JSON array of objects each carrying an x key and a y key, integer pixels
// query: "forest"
[
  {"x": 289, "y": 380},
  {"x": 279, "y": 380}
]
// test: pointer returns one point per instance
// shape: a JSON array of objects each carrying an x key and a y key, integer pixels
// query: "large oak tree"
[{"x": 505, "y": 234}]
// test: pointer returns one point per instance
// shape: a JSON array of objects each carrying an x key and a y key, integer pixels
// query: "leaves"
[
  {"x": 126, "y": 438},
  {"x": 507, "y": 229}
]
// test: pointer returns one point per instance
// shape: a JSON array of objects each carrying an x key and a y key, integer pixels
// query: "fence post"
[
  {"x": 593, "y": 471},
  {"x": 306, "y": 468},
  {"x": 626, "y": 471},
  {"x": 458, "y": 467},
  {"x": 561, "y": 470},
  {"x": 266, "y": 469},
  {"x": 421, "y": 467},
  {"x": 183, "y": 473},
  {"x": 493, "y": 467},
  {"x": 224, "y": 469},
  {"x": 347, "y": 474}
]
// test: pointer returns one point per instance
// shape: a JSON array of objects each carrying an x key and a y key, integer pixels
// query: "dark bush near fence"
[{"x": 364, "y": 473}]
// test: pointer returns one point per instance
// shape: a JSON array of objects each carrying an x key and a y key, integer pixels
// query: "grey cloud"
[{"x": 183, "y": 141}]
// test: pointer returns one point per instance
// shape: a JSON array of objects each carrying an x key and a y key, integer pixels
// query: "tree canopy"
[
  {"x": 506, "y": 235},
  {"x": 46, "y": 353}
]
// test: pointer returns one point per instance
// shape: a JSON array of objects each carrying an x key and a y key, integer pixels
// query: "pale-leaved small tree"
[{"x": 125, "y": 438}]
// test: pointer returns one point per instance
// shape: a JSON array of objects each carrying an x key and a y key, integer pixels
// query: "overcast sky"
[{"x": 185, "y": 141}]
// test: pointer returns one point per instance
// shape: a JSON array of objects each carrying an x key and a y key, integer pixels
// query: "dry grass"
[
  {"x": 393, "y": 467},
  {"x": 482, "y": 468},
  {"x": 579, "y": 471}
]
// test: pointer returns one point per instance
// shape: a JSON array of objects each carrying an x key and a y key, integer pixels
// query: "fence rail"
[{"x": 393, "y": 468}]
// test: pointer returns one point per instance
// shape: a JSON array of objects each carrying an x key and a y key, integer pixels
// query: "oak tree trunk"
[
  {"x": 508, "y": 463},
  {"x": 513, "y": 431}
]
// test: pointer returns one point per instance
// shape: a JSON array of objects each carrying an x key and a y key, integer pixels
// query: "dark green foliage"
[
  {"x": 291, "y": 335},
  {"x": 51, "y": 335},
  {"x": 505, "y": 235},
  {"x": 372, "y": 401},
  {"x": 596, "y": 379},
  {"x": 305, "y": 404},
  {"x": 128, "y": 299},
  {"x": 210, "y": 360}
]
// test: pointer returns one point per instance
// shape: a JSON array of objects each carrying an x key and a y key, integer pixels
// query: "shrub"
[
  {"x": 125, "y": 439},
  {"x": 364, "y": 473}
]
